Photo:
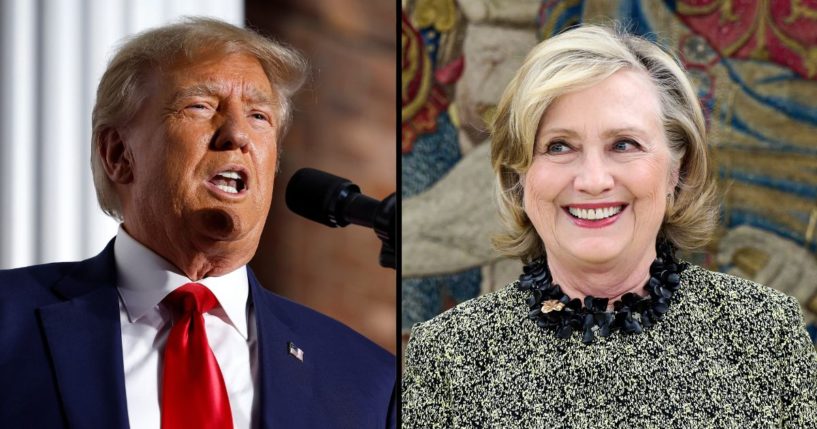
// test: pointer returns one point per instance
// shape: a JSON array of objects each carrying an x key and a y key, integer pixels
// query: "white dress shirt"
[{"x": 143, "y": 280}]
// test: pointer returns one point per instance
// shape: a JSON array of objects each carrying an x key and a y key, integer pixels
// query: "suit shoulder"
[
  {"x": 42, "y": 272},
  {"x": 31, "y": 280}
]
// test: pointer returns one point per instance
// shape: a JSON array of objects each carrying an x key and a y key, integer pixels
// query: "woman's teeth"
[{"x": 595, "y": 214}]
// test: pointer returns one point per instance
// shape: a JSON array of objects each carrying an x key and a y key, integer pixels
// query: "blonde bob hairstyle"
[
  {"x": 121, "y": 90},
  {"x": 578, "y": 59}
]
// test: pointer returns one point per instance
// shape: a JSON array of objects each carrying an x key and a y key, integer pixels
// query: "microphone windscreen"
[{"x": 314, "y": 195}]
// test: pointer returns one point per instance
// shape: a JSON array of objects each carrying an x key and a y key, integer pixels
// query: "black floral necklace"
[{"x": 550, "y": 308}]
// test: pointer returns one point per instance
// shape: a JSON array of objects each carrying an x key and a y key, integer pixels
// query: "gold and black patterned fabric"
[{"x": 730, "y": 353}]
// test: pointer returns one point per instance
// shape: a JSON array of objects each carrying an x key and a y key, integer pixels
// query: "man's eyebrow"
[
  {"x": 257, "y": 96},
  {"x": 197, "y": 90},
  {"x": 205, "y": 89}
]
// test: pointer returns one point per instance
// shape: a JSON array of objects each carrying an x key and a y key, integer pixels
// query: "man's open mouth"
[{"x": 230, "y": 181}]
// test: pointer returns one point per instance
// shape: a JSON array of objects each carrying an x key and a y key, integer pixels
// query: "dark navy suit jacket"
[{"x": 61, "y": 356}]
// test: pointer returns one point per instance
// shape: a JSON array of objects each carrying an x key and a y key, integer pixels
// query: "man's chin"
[{"x": 219, "y": 224}]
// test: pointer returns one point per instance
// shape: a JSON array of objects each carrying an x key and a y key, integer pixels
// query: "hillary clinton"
[{"x": 599, "y": 149}]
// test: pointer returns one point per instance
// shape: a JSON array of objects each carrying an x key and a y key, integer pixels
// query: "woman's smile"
[{"x": 595, "y": 215}]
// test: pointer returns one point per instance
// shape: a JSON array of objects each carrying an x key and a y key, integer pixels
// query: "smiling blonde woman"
[{"x": 599, "y": 147}]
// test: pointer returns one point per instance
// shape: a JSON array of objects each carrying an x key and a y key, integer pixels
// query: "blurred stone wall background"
[
  {"x": 753, "y": 62},
  {"x": 345, "y": 124}
]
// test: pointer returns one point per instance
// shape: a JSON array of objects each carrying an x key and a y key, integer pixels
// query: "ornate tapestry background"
[{"x": 754, "y": 63}]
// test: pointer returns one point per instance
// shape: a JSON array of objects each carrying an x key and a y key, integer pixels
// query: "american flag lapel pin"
[{"x": 295, "y": 351}]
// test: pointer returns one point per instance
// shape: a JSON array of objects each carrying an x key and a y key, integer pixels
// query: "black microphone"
[{"x": 337, "y": 202}]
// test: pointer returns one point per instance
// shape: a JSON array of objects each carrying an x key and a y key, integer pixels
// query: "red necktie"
[{"x": 193, "y": 392}]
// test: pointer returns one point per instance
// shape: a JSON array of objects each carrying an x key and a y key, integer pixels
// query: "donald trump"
[{"x": 167, "y": 327}]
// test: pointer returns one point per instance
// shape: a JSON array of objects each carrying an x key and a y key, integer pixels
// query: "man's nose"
[
  {"x": 233, "y": 133},
  {"x": 593, "y": 177}
]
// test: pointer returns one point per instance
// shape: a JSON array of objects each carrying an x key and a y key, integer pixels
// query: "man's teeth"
[
  {"x": 595, "y": 214},
  {"x": 228, "y": 189},
  {"x": 230, "y": 182},
  {"x": 230, "y": 175}
]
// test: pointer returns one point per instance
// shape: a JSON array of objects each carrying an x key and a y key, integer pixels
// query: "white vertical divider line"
[
  {"x": 105, "y": 27},
  {"x": 60, "y": 121},
  {"x": 17, "y": 133}
]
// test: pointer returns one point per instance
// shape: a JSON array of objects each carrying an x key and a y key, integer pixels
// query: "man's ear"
[{"x": 115, "y": 155}]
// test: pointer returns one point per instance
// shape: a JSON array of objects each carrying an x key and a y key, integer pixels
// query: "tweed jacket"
[{"x": 729, "y": 354}]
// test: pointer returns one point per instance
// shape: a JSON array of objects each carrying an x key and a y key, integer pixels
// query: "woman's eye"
[
  {"x": 625, "y": 145},
  {"x": 197, "y": 106},
  {"x": 557, "y": 147},
  {"x": 259, "y": 116}
]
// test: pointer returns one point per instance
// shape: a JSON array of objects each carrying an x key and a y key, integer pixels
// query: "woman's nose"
[{"x": 593, "y": 177}]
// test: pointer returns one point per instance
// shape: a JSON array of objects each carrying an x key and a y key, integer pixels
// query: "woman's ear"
[
  {"x": 674, "y": 177},
  {"x": 116, "y": 158},
  {"x": 674, "y": 173}
]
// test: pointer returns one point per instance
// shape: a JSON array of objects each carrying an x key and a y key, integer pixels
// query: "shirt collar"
[{"x": 145, "y": 278}]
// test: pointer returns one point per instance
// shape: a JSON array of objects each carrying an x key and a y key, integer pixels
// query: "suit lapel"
[
  {"x": 84, "y": 337},
  {"x": 287, "y": 398}
]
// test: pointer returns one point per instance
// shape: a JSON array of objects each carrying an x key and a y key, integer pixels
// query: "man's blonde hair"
[
  {"x": 121, "y": 90},
  {"x": 578, "y": 59}
]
